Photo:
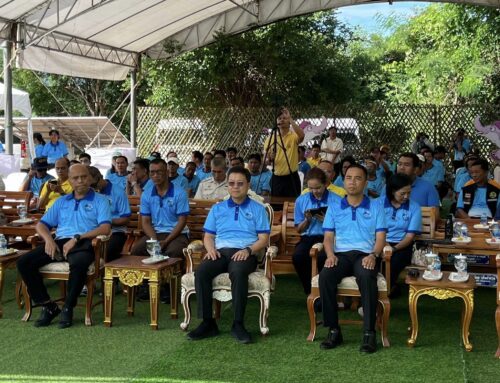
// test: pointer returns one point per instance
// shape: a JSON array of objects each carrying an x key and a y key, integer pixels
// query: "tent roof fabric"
[
  {"x": 20, "y": 101},
  {"x": 105, "y": 38},
  {"x": 79, "y": 131}
]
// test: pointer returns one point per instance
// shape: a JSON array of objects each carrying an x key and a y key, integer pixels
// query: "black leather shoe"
[
  {"x": 49, "y": 312},
  {"x": 208, "y": 328},
  {"x": 333, "y": 339},
  {"x": 369, "y": 344},
  {"x": 240, "y": 333},
  {"x": 66, "y": 318}
]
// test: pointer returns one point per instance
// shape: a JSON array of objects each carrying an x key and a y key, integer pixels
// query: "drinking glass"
[
  {"x": 22, "y": 212},
  {"x": 151, "y": 247},
  {"x": 495, "y": 231},
  {"x": 461, "y": 264},
  {"x": 457, "y": 229}
]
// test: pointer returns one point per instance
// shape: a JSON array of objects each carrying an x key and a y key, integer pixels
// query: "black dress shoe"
[
  {"x": 66, "y": 318},
  {"x": 333, "y": 339},
  {"x": 49, "y": 312},
  {"x": 369, "y": 344},
  {"x": 208, "y": 328},
  {"x": 240, "y": 333}
]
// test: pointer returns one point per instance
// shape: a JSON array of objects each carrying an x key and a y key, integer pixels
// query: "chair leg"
[
  {"x": 264, "y": 311},
  {"x": 19, "y": 291},
  {"x": 312, "y": 315},
  {"x": 62, "y": 289},
  {"x": 386, "y": 307},
  {"x": 187, "y": 309},
  {"x": 218, "y": 305},
  {"x": 88, "y": 309},
  {"x": 27, "y": 303}
]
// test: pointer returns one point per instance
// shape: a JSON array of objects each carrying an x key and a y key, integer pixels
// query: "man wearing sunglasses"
[{"x": 235, "y": 230}]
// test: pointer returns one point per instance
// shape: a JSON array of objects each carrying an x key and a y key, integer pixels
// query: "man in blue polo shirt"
[
  {"x": 235, "y": 230},
  {"x": 78, "y": 217},
  {"x": 173, "y": 175},
  {"x": 261, "y": 177},
  {"x": 37, "y": 176},
  {"x": 433, "y": 170},
  {"x": 119, "y": 177},
  {"x": 54, "y": 149},
  {"x": 192, "y": 179},
  {"x": 422, "y": 191},
  {"x": 355, "y": 231},
  {"x": 138, "y": 180},
  {"x": 120, "y": 212},
  {"x": 206, "y": 170},
  {"x": 164, "y": 211}
]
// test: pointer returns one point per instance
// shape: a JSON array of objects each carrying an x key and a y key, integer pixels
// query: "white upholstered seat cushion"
[
  {"x": 257, "y": 282},
  {"x": 349, "y": 283},
  {"x": 62, "y": 268}
]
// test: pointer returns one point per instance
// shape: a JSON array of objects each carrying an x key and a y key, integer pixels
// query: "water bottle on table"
[{"x": 484, "y": 220}]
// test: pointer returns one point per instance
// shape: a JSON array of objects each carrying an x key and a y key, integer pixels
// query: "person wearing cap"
[
  {"x": 375, "y": 184},
  {"x": 112, "y": 169},
  {"x": 78, "y": 217},
  {"x": 422, "y": 191},
  {"x": 119, "y": 177},
  {"x": 54, "y": 149},
  {"x": 53, "y": 189},
  {"x": 206, "y": 171},
  {"x": 332, "y": 147},
  {"x": 192, "y": 178},
  {"x": 214, "y": 187},
  {"x": 35, "y": 179},
  {"x": 120, "y": 212},
  {"x": 172, "y": 154},
  {"x": 173, "y": 174},
  {"x": 154, "y": 156},
  {"x": 138, "y": 180}
]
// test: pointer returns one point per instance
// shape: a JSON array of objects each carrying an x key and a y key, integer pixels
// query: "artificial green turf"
[{"x": 131, "y": 352}]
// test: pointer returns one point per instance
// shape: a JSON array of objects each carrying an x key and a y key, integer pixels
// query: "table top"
[
  {"x": 442, "y": 283},
  {"x": 135, "y": 262},
  {"x": 19, "y": 229},
  {"x": 477, "y": 242},
  {"x": 13, "y": 256}
]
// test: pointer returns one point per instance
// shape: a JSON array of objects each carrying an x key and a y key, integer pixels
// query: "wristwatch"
[
  {"x": 76, "y": 237},
  {"x": 374, "y": 254},
  {"x": 249, "y": 250}
]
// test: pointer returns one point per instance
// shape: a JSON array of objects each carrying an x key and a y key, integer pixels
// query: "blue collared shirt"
[
  {"x": 460, "y": 180},
  {"x": 77, "y": 216},
  {"x": 400, "y": 221},
  {"x": 120, "y": 207},
  {"x": 339, "y": 181},
  {"x": 377, "y": 185},
  {"x": 236, "y": 226},
  {"x": 203, "y": 175},
  {"x": 479, "y": 205},
  {"x": 355, "y": 228},
  {"x": 263, "y": 185},
  {"x": 39, "y": 150},
  {"x": 36, "y": 184},
  {"x": 165, "y": 211},
  {"x": 306, "y": 202},
  {"x": 193, "y": 184},
  {"x": 117, "y": 180},
  {"x": 304, "y": 167},
  {"x": 434, "y": 174},
  {"x": 424, "y": 193},
  {"x": 180, "y": 181},
  {"x": 54, "y": 152}
]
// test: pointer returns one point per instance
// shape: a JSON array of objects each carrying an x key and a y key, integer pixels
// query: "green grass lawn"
[{"x": 131, "y": 352}]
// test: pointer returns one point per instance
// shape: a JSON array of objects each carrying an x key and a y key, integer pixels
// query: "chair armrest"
[
  {"x": 313, "y": 253},
  {"x": 34, "y": 240},
  {"x": 271, "y": 253},
  {"x": 194, "y": 252},
  {"x": 387, "y": 251},
  {"x": 100, "y": 245}
]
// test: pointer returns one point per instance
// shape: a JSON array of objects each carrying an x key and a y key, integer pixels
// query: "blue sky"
[{"x": 364, "y": 16}]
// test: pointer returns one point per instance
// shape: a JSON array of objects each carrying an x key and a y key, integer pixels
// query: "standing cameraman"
[{"x": 282, "y": 147}]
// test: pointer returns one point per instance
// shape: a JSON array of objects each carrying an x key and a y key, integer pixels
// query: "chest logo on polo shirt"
[
  {"x": 88, "y": 207},
  {"x": 367, "y": 214},
  {"x": 170, "y": 202},
  {"x": 406, "y": 217},
  {"x": 248, "y": 215},
  {"x": 493, "y": 195}
]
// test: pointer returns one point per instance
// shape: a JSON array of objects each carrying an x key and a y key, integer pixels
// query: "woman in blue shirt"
[
  {"x": 54, "y": 149},
  {"x": 344, "y": 164},
  {"x": 309, "y": 223},
  {"x": 404, "y": 222},
  {"x": 39, "y": 144}
]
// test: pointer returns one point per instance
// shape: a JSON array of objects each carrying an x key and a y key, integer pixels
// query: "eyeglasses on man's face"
[{"x": 236, "y": 184}]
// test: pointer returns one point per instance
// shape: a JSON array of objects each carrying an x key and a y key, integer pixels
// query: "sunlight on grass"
[{"x": 76, "y": 379}]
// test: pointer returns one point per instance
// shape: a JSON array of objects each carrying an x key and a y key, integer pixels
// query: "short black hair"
[
  {"x": 483, "y": 163},
  {"x": 190, "y": 163},
  {"x": 221, "y": 152},
  {"x": 158, "y": 161},
  {"x": 428, "y": 150},
  {"x": 239, "y": 159},
  {"x": 396, "y": 182},
  {"x": 143, "y": 163},
  {"x": 440, "y": 149},
  {"x": 198, "y": 155},
  {"x": 302, "y": 148},
  {"x": 255, "y": 156},
  {"x": 358, "y": 166},
  {"x": 232, "y": 149},
  {"x": 413, "y": 156},
  {"x": 318, "y": 146},
  {"x": 126, "y": 159},
  {"x": 240, "y": 170},
  {"x": 208, "y": 154},
  {"x": 54, "y": 131},
  {"x": 316, "y": 174},
  {"x": 85, "y": 155}
]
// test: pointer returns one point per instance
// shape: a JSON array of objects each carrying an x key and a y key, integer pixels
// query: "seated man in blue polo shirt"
[
  {"x": 54, "y": 149},
  {"x": 479, "y": 196},
  {"x": 138, "y": 180},
  {"x": 261, "y": 177},
  {"x": 235, "y": 230},
  {"x": 192, "y": 179},
  {"x": 173, "y": 175},
  {"x": 422, "y": 191},
  {"x": 78, "y": 218},
  {"x": 120, "y": 212},
  {"x": 355, "y": 230},
  {"x": 433, "y": 170},
  {"x": 164, "y": 211},
  {"x": 119, "y": 177}
]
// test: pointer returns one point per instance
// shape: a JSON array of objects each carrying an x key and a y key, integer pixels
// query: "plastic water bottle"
[
  {"x": 484, "y": 219},
  {"x": 3, "y": 245},
  {"x": 436, "y": 266},
  {"x": 465, "y": 230}
]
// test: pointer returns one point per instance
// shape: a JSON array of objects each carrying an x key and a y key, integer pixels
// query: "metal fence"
[{"x": 361, "y": 127}]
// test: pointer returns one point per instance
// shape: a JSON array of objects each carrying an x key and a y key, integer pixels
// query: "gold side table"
[
  {"x": 442, "y": 289},
  {"x": 132, "y": 272},
  {"x": 7, "y": 261}
]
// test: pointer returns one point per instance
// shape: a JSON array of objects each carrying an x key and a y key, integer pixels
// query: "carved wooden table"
[
  {"x": 442, "y": 289},
  {"x": 7, "y": 261},
  {"x": 132, "y": 272}
]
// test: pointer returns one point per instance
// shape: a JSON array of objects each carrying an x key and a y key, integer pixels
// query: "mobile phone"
[{"x": 318, "y": 211}]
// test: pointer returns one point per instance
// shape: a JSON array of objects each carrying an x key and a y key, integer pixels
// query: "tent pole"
[
  {"x": 7, "y": 56},
  {"x": 133, "y": 108}
]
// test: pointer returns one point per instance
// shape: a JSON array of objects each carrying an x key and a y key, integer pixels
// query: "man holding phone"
[{"x": 53, "y": 189}]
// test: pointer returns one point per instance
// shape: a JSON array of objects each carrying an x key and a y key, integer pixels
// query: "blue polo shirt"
[
  {"x": 165, "y": 211},
  {"x": 339, "y": 181},
  {"x": 39, "y": 150},
  {"x": 203, "y": 175},
  {"x": 117, "y": 180},
  {"x": 304, "y": 167},
  {"x": 120, "y": 207},
  {"x": 377, "y": 185},
  {"x": 193, "y": 184},
  {"x": 458, "y": 156},
  {"x": 355, "y": 228},
  {"x": 400, "y": 221},
  {"x": 460, "y": 180},
  {"x": 424, "y": 193},
  {"x": 77, "y": 216},
  {"x": 380, "y": 172},
  {"x": 180, "y": 181},
  {"x": 236, "y": 226},
  {"x": 479, "y": 205},
  {"x": 306, "y": 202},
  {"x": 36, "y": 184},
  {"x": 434, "y": 174},
  {"x": 54, "y": 152},
  {"x": 263, "y": 185}
]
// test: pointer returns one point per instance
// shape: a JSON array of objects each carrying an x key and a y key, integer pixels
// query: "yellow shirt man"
[
  {"x": 53, "y": 196},
  {"x": 291, "y": 143},
  {"x": 313, "y": 162}
]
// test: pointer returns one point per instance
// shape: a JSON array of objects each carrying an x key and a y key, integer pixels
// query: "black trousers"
[
  {"x": 302, "y": 261},
  {"x": 349, "y": 263},
  {"x": 79, "y": 259},
  {"x": 285, "y": 186},
  {"x": 115, "y": 246},
  {"x": 399, "y": 260},
  {"x": 238, "y": 273}
]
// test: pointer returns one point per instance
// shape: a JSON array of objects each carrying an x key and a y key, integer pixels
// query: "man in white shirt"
[
  {"x": 214, "y": 187},
  {"x": 332, "y": 146}
]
